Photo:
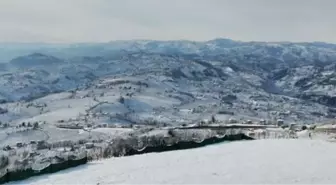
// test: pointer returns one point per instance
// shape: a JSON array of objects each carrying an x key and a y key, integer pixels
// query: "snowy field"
[{"x": 260, "y": 161}]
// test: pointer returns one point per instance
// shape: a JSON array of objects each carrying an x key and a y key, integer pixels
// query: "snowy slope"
[{"x": 261, "y": 161}]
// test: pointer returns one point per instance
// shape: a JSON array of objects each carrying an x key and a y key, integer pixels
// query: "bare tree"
[
  {"x": 36, "y": 125},
  {"x": 213, "y": 119},
  {"x": 121, "y": 100}
]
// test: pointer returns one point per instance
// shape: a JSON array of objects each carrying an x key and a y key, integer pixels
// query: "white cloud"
[{"x": 105, "y": 20}]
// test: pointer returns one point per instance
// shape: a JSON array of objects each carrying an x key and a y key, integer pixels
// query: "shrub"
[
  {"x": 42, "y": 145},
  {"x": 3, "y": 161},
  {"x": 313, "y": 127},
  {"x": 304, "y": 127},
  {"x": 121, "y": 100},
  {"x": 213, "y": 119},
  {"x": 36, "y": 125},
  {"x": 171, "y": 133}
]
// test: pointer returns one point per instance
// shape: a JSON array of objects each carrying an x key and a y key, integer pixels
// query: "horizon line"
[{"x": 163, "y": 40}]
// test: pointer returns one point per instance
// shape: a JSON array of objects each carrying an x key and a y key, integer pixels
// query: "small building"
[
  {"x": 280, "y": 122},
  {"x": 232, "y": 120},
  {"x": 249, "y": 122},
  {"x": 262, "y": 122}
]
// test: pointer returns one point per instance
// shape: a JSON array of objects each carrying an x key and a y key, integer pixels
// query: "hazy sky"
[{"x": 106, "y": 20}]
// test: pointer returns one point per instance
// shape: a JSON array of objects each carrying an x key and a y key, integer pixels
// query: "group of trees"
[
  {"x": 4, "y": 125},
  {"x": 35, "y": 125}
]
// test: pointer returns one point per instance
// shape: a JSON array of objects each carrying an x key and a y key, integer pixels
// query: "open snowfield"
[{"x": 260, "y": 161}]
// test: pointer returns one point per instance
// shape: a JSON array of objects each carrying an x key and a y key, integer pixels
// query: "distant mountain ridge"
[
  {"x": 34, "y": 59},
  {"x": 212, "y": 47}
]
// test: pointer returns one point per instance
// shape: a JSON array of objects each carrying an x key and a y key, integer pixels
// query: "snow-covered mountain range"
[{"x": 247, "y": 80}]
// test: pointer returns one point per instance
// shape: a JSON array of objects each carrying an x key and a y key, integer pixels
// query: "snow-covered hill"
[{"x": 260, "y": 162}]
